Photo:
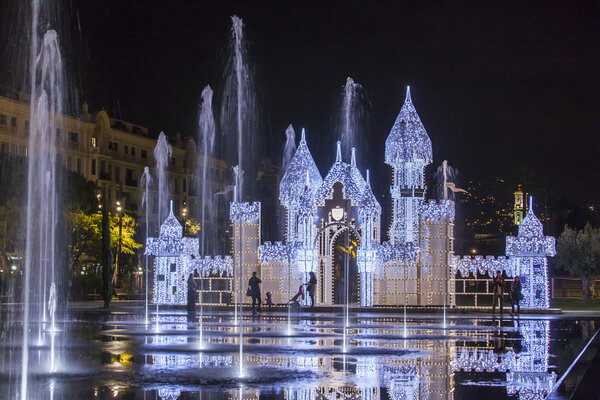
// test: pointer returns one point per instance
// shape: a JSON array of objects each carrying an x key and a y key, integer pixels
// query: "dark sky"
[{"x": 498, "y": 85}]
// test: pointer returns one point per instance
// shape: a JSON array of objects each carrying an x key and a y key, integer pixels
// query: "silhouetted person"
[
  {"x": 516, "y": 296},
  {"x": 191, "y": 295},
  {"x": 498, "y": 290},
  {"x": 312, "y": 288},
  {"x": 255, "y": 291}
]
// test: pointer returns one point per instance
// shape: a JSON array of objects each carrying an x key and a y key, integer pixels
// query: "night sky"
[{"x": 498, "y": 86}]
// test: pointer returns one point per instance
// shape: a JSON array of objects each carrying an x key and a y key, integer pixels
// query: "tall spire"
[
  {"x": 338, "y": 155},
  {"x": 353, "y": 158},
  {"x": 408, "y": 99},
  {"x": 303, "y": 137}
]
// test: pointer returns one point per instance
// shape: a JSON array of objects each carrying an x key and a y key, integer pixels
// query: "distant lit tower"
[
  {"x": 407, "y": 151},
  {"x": 519, "y": 206}
]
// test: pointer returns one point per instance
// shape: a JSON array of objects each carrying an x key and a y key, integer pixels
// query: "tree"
[
  {"x": 86, "y": 246},
  {"x": 578, "y": 252}
]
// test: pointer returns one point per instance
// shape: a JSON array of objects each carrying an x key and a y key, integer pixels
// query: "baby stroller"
[
  {"x": 295, "y": 305},
  {"x": 269, "y": 300}
]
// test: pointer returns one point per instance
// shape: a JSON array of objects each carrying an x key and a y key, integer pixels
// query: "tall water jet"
[
  {"x": 445, "y": 178},
  {"x": 145, "y": 182},
  {"x": 238, "y": 108},
  {"x": 206, "y": 132},
  {"x": 352, "y": 117},
  {"x": 206, "y": 125},
  {"x": 239, "y": 177},
  {"x": 288, "y": 152},
  {"x": 42, "y": 216},
  {"x": 162, "y": 155},
  {"x": 289, "y": 148}
]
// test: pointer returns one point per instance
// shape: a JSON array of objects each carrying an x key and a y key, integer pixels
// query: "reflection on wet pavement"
[{"x": 117, "y": 356}]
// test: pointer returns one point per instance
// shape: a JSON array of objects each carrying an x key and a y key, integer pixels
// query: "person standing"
[
  {"x": 311, "y": 288},
  {"x": 255, "y": 291},
  {"x": 498, "y": 290},
  {"x": 516, "y": 295},
  {"x": 191, "y": 294}
]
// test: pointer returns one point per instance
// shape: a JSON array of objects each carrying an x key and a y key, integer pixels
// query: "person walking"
[
  {"x": 312, "y": 288},
  {"x": 516, "y": 295},
  {"x": 254, "y": 290},
  {"x": 498, "y": 290}
]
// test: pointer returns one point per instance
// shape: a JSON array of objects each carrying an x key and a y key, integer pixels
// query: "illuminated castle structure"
[
  {"x": 324, "y": 215},
  {"x": 176, "y": 257},
  {"x": 327, "y": 218}
]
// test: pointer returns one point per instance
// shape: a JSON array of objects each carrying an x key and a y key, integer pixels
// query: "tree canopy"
[{"x": 578, "y": 252}]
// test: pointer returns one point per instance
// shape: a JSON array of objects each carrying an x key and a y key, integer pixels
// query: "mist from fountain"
[
  {"x": 145, "y": 183},
  {"x": 206, "y": 133},
  {"x": 162, "y": 156},
  {"x": 42, "y": 215}
]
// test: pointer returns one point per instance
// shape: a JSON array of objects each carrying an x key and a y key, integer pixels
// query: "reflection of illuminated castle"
[{"x": 326, "y": 217}]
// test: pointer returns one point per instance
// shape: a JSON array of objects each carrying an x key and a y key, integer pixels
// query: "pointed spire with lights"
[
  {"x": 408, "y": 139},
  {"x": 294, "y": 179}
]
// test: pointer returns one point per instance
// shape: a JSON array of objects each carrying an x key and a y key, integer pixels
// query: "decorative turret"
[
  {"x": 407, "y": 151},
  {"x": 408, "y": 139},
  {"x": 294, "y": 179},
  {"x": 528, "y": 252},
  {"x": 301, "y": 175}
]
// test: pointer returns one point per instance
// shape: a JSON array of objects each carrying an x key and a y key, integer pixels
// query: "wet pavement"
[{"x": 108, "y": 356}]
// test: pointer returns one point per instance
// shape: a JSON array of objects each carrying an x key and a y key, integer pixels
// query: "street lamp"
[{"x": 184, "y": 211}]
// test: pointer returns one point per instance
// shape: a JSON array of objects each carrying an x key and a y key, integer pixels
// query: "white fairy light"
[{"x": 176, "y": 258}]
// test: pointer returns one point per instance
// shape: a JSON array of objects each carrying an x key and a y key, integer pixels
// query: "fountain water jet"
[
  {"x": 145, "y": 182},
  {"x": 238, "y": 106},
  {"x": 239, "y": 177},
  {"x": 162, "y": 156},
  {"x": 351, "y": 116},
  {"x": 206, "y": 124},
  {"x": 42, "y": 216},
  {"x": 289, "y": 148}
]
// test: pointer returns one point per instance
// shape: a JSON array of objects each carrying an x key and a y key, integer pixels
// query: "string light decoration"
[
  {"x": 244, "y": 211},
  {"x": 343, "y": 173},
  {"x": 526, "y": 257},
  {"x": 175, "y": 258},
  {"x": 432, "y": 211},
  {"x": 407, "y": 151}
]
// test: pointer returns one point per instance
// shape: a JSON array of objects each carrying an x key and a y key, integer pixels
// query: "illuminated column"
[
  {"x": 369, "y": 212},
  {"x": 407, "y": 151},
  {"x": 245, "y": 219}
]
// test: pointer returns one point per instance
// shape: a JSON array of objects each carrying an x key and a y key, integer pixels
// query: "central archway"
[{"x": 332, "y": 278}]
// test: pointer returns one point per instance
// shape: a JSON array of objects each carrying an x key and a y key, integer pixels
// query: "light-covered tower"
[
  {"x": 407, "y": 151},
  {"x": 302, "y": 171}
]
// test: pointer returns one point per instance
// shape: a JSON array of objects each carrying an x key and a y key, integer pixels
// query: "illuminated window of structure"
[{"x": 93, "y": 141}]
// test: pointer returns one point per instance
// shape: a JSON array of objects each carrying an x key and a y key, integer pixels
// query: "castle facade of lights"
[{"x": 415, "y": 266}]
